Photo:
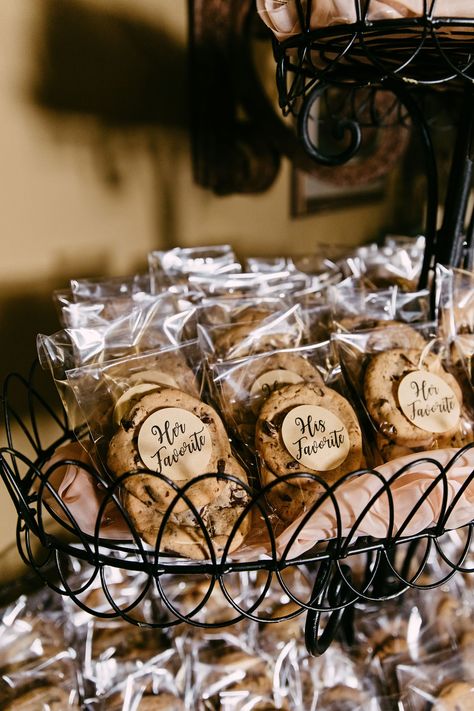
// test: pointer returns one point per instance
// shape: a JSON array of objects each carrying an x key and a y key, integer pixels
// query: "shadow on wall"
[
  {"x": 123, "y": 78},
  {"x": 127, "y": 79},
  {"x": 121, "y": 70}
]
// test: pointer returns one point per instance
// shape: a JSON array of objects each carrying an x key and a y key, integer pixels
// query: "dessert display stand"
[{"x": 401, "y": 56}]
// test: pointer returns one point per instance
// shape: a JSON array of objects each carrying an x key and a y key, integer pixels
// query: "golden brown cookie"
[
  {"x": 455, "y": 696},
  {"x": 270, "y": 441},
  {"x": 383, "y": 376},
  {"x": 124, "y": 455},
  {"x": 182, "y": 534}
]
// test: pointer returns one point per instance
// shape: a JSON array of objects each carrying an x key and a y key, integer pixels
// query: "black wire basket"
[
  {"x": 344, "y": 571},
  {"x": 422, "y": 48}
]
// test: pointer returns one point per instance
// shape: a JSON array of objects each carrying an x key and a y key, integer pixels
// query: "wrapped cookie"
[
  {"x": 302, "y": 430},
  {"x": 412, "y": 401},
  {"x": 31, "y": 634},
  {"x": 455, "y": 301},
  {"x": 161, "y": 451},
  {"x": 115, "y": 649},
  {"x": 439, "y": 683},
  {"x": 281, "y": 329},
  {"x": 201, "y": 600},
  {"x": 388, "y": 636},
  {"x": 39, "y": 666},
  {"x": 232, "y": 310},
  {"x": 151, "y": 688},
  {"x": 181, "y": 487},
  {"x": 149, "y": 429},
  {"x": 175, "y": 266},
  {"x": 321, "y": 264},
  {"x": 398, "y": 262},
  {"x": 261, "y": 284},
  {"x": 333, "y": 682},
  {"x": 106, "y": 392},
  {"x": 229, "y": 676},
  {"x": 107, "y": 287},
  {"x": 140, "y": 331},
  {"x": 241, "y": 386},
  {"x": 356, "y": 306},
  {"x": 353, "y": 305}
]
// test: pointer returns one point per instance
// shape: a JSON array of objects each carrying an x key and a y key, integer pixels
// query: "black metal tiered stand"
[{"x": 397, "y": 55}]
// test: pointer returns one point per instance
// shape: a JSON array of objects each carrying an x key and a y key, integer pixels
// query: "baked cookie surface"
[
  {"x": 269, "y": 441},
  {"x": 384, "y": 373}
]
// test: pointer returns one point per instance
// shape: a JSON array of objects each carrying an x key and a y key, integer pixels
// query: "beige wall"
[{"x": 77, "y": 199}]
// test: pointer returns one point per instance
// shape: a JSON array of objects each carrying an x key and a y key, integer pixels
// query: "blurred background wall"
[{"x": 95, "y": 166}]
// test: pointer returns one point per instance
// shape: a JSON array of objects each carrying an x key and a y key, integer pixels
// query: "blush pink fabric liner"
[
  {"x": 282, "y": 18},
  {"x": 82, "y": 496}
]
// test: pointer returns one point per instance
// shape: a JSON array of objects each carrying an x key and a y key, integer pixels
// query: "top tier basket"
[{"x": 345, "y": 570}]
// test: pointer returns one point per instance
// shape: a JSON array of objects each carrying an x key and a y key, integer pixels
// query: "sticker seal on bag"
[
  {"x": 315, "y": 437},
  {"x": 271, "y": 381},
  {"x": 154, "y": 376},
  {"x": 175, "y": 442},
  {"x": 429, "y": 402},
  {"x": 125, "y": 401}
]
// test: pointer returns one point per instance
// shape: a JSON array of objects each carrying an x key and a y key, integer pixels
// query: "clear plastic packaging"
[
  {"x": 283, "y": 329},
  {"x": 175, "y": 266},
  {"x": 97, "y": 313},
  {"x": 151, "y": 431},
  {"x": 231, "y": 676},
  {"x": 440, "y": 682},
  {"x": 241, "y": 386},
  {"x": 39, "y": 669},
  {"x": 412, "y": 401},
  {"x": 261, "y": 284}
]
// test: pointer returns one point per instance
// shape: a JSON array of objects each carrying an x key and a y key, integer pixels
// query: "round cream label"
[
  {"x": 315, "y": 437},
  {"x": 154, "y": 376},
  {"x": 270, "y": 381},
  {"x": 428, "y": 402},
  {"x": 175, "y": 442},
  {"x": 123, "y": 404}
]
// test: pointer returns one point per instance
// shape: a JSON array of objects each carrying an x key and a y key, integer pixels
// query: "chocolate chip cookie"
[
  {"x": 124, "y": 454},
  {"x": 269, "y": 440},
  {"x": 383, "y": 376},
  {"x": 182, "y": 534}
]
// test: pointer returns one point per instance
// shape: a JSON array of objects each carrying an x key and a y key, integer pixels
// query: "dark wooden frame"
[
  {"x": 237, "y": 133},
  {"x": 303, "y": 204}
]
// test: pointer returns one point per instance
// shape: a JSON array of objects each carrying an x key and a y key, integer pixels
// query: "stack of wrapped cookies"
[{"x": 208, "y": 395}]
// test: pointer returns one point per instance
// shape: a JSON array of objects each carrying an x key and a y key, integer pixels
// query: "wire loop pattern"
[{"x": 345, "y": 570}]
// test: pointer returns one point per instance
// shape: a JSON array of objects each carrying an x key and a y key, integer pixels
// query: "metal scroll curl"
[{"x": 354, "y": 135}]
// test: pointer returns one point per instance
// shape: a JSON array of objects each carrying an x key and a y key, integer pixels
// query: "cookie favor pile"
[
  {"x": 204, "y": 388},
  {"x": 411, "y": 654}
]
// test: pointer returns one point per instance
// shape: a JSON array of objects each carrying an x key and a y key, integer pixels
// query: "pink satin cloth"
[
  {"x": 406, "y": 490},
  {"x": 282, "y": 18},
  {"x": 81, "y": 494}
]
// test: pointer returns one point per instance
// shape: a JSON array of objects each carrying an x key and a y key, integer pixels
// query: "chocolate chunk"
[{"x": 270, "y": 428}]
